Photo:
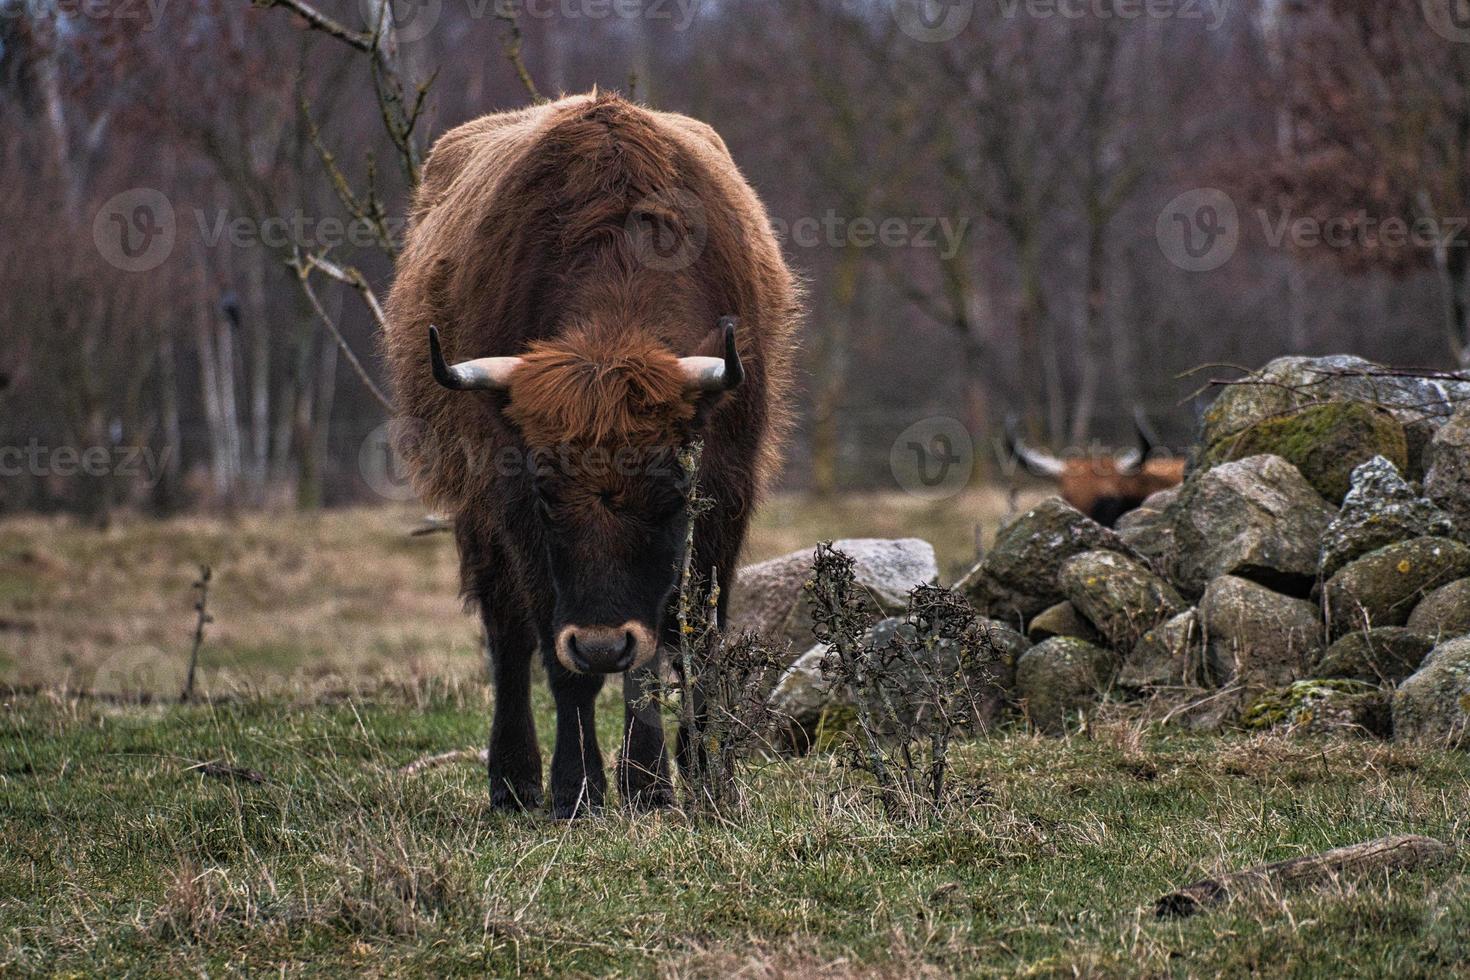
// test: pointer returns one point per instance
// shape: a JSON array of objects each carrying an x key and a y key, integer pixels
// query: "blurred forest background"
[{"x": 1025, "y": 169}]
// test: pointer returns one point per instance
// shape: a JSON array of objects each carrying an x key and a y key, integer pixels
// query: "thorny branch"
[
  {"x": 202, "y": 619},
  {"x": 933, "y": 676}
]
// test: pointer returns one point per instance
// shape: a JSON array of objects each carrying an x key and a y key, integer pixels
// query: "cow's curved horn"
[
  {"x": 1148, "y": 440},
  {"x": 709, "y": 374},
  {"x": 1038, "y": 462},
  {"x": 480, "y": 374},
  {"x": 1148, "y": 436}
]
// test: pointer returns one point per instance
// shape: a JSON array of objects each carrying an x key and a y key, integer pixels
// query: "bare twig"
[
  {"x": 319, "y": 21},
  {"x": 505, "y": 11},
  {"x": 202, "y": 619},
  {"x": 304, "y": 266}
]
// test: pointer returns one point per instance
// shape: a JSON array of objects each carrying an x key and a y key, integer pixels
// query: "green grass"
[
  {"x": 118, "y": 859},
  {"x": 339, "y": 653}
]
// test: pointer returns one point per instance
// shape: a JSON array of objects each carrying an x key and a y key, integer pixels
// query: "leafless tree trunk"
[{"x": 257, "y": 312}]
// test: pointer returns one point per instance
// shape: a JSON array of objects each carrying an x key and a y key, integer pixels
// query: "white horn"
[
  {"x": 480, "y": 374},
  {"x": 715, "y": 373},
  {"x": 1038, "y": 462}
]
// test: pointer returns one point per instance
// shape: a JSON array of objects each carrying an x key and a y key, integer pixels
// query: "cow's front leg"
[
  {"x": 643, "y": 764},
  {"x": 578, "y": 783},
  {"x": 514, "y": 757}
]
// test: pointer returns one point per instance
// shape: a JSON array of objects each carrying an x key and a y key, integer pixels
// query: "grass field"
[
  {"x": 322, "y": 600},
  {"x": 340, "y": 654},
  {"x": 119, "y": 858}
]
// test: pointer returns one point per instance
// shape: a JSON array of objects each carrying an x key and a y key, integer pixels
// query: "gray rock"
[
  {"x": 1434, "y": 704},
  {"x": 768, "y": 597},
  {"x": 1255, "y": 518},
  {"x": 1257, "y": 638},
  {"x": 1384, "y": 654},
  {"x": 1443, "y": 613},
  {"x": 1148, "y": 528},
  {"x": 1381, "y": 508},
  {"x": 1169, "y": 655},
  {"x": 1447, "y": 469},
  {"x": 1063, "y": 619},
  {"x": 1383, "y": 587},
  {"x": 1118, "y": 595},
  {"x": 1324, "y": 442},
  {"x": 1018, "y": 577},
  {"x": 813, "y": 706},
  {"x": 1059, "y": 677},
  {"x": 1421, "y": 405},
  {"x": 1322, "y": 707}
]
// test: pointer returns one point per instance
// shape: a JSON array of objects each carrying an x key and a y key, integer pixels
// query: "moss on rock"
[
  {"x": 1319, "y": 707},
  {"x": 1382, "y": 587},
  {"x": 1325, "y": 442}
]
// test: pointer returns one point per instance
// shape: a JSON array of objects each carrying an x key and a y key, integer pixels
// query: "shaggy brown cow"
[
  {"x": 586, "y": 262},
  {"x": 1102, "y": 487}
]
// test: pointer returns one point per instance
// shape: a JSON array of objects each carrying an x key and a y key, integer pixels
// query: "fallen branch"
[
  {"x": 444, "y": 758},
  {"x": 432, "y": 524},
  {"x": 1385, "y": 854}
]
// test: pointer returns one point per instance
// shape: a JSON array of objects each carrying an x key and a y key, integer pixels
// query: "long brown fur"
[
  {"x": 583, "y": 390},
  {"x": 519, "y": 246}
]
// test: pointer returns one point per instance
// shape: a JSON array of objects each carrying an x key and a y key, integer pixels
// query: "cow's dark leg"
[
  {"x": 643, "y": 764},
  {"x": 515, "y": 758},
  {"x": 577, "y": 781}
]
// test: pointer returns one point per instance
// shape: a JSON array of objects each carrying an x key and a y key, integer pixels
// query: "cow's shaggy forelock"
[{"x": 582, "y": 389}]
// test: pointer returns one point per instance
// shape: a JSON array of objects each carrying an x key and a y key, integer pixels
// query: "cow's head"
[
  {"x": 1102, "y": 486},
  {"x": 604, "y": 419}
]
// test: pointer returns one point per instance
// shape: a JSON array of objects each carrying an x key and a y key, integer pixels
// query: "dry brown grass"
[{"x": 322, "y": 600}]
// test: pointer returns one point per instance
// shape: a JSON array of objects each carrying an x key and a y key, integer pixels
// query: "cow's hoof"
[
  {"x": 657, "y": 795},
  {"x": 504, "y": 796},
  {"x": 568, "y": 807}
]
